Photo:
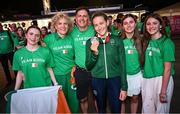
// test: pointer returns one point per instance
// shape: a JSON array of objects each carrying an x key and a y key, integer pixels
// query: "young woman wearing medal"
[{"x": 105, "y": 58}]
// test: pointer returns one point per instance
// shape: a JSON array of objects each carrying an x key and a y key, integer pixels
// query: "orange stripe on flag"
[{"x": 62, "y": 106}]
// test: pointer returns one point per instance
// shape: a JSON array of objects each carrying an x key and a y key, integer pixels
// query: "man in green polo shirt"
[{"x": 81, "y": 33}]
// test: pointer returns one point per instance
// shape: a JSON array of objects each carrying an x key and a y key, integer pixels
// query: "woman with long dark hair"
[{"x": 157, "y": 87}]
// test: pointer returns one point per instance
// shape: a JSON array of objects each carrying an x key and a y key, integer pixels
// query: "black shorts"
[{"x": 83, "y": 82}]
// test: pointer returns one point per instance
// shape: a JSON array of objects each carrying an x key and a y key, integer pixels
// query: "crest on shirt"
[
  {"x": 112, "y": 41},
  {"x": 130, "y": 51},
  {"x": 34, "y": 65},
  {"x": 65, "y": 51}
]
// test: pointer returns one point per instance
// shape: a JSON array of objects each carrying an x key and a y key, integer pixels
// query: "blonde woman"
[{"x": 61, "y": 45}]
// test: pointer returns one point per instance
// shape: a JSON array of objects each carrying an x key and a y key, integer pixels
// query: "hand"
[
  {"x": 163, "y": 97},
  {"x": 123, "y": 95},
  {"x": 94, "y": 46},
  {"x": 56, "y": 84}
]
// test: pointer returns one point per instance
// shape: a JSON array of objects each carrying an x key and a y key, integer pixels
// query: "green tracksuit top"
[{"x": 110, "y": 62}]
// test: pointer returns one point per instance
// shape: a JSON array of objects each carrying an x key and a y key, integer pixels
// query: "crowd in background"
[{"x": 115, "y": 59}]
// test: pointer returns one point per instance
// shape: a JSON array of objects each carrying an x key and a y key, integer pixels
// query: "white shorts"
[
  {"x": 134, "y": 84},
  {"x": 151, "y": 89}
]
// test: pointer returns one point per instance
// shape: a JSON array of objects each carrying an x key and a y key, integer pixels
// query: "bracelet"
[{"x": 56, "y": 84}]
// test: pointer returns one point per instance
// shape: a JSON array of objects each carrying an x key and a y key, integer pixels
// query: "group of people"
[{"x": 86, "y": 56}]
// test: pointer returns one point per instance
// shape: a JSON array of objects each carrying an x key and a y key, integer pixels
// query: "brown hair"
[
  {"x": 136, "y": 36},
  {"x": 146, "y": 35},
  {"x": 33, "y": 26},
  {"x": 82, "y": 8}
]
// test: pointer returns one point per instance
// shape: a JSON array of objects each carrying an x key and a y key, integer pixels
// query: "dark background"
[{"x": 34, "y": 7}]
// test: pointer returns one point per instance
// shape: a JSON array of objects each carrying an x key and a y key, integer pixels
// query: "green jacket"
[{"x": 110, "y": 61}]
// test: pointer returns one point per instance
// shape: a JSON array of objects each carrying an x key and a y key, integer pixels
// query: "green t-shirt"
[
  {"x": 79, "y": 39},
  {"x": 62, "y": 51},
  {"x": 7, "y": 42},
  {"x": 158, "y": 51},
  {"x": 34, "y": 66},
  {"x": 132, "y": 57}
]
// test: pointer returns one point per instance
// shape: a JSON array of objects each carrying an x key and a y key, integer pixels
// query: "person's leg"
[
  {"x": 61, "y": 79},
  {"x": 72, "y": 96},
  {"x": 84, "y": 105},
  {"x": 113, "y": 88},
  {"x": 134, "y": 89},
  {"x": 5, "y": 65},
  {"x": 99, "y": 91},
  {"x": 148, "y": 96},
  {"x": 82, "y": 84},
  {"x": 164, "y": 107},
  {"x": 69, "y": 93},
  {"x": 123, "y": 107},
  {"x": 134, "y": 104},
  {"x": 10, "y": 58}
]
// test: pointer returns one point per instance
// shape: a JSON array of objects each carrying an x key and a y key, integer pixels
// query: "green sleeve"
[
  {"x": 91, "y": 58},
  {"x": 123, "y": 65},
  {"x": 15, "y": 39},
  {"x": 168, "y": 51},
  {"x": 45, "y": 40},
  {"x": 50, "y": 60},
  {"x": 16, "y": 65}
]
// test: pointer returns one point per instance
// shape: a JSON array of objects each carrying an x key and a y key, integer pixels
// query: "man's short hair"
[{"x": 82, "y": 8}]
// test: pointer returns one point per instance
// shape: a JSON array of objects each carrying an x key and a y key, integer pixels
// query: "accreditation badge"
[
  {"x": 65, "y": 51},
  {"x": 150, "y": 53},
  {"x": 34, "y": 65},
  {"x": 130, "y": 51}
]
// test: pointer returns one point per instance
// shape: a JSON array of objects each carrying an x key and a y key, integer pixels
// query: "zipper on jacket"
[{"x": 105, "y": 61}]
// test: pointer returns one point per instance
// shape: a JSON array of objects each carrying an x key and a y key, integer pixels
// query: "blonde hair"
[{"x": 58, "y": 16}]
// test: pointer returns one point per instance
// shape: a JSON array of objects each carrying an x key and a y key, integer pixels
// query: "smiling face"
[
  {"x": 62, "y": 26},
  {"x": 33, "y": 36},
  {"x": 153, "y": 26},
  {"x": 82, "y": 19},
  {"x": 101, "y": 26},
  {"x": 20, "y": 31},
  {"x": 129, "y": 25}
]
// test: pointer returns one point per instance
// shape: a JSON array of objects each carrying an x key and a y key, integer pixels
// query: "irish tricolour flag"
[{"x": 41, "y": 100}]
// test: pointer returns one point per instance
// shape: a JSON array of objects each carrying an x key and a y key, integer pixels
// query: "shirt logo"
[
  {"x": 130, "y": 51},
  {"x": 2, "y": 38},
  {"x": 65, "y": 51},
  {"x": 34, "y": 65}
]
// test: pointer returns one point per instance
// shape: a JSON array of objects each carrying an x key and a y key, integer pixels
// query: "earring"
[{"x": 160, "y": 27}]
